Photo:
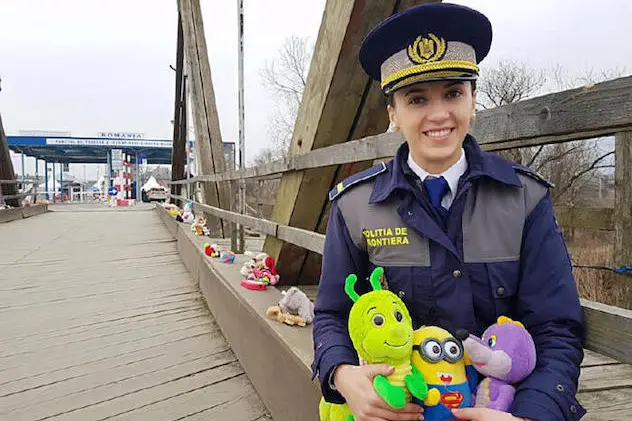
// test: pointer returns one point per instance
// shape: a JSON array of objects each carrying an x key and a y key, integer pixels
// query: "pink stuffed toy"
[
  {"x": 260, "y": 268},
  {"x": 269, "y": 265}
]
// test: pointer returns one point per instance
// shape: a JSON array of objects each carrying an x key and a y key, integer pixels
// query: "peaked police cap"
[{"x": 436, "y": 41}]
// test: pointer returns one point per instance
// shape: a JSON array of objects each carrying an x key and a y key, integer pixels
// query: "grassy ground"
[{"x": 589, "y": 247}]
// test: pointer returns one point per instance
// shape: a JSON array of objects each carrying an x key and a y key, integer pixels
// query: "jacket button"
[
  {"x": 320, "y": 344},
  {"x": 456, "y": 274},
  {"x": 410, "y": 213},
  {"x": 560, "y": 388},
  {"x": 500, "y": 291},
  {"x": 573, "y": 409},
  {"x": 401, "y": 294}
]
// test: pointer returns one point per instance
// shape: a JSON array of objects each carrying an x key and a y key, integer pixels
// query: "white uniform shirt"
[{"x": 451, "y": 175}]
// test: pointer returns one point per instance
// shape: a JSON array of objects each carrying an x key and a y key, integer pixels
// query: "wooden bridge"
[
  {"x": 100, "y": 319},
  {"x": 105, "y": 315},
  {"x": 126, "y": 335}
]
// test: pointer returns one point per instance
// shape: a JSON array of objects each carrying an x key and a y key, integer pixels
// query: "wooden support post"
[
  {"x": 6, "y": 170},
  {"x": 623, "y": 199},
  {"x": 179, "y": 142},
  {"x": 184, "y": 134},
  {"x": 340, "y": 104},
  {"x": 206, "y": 122}
]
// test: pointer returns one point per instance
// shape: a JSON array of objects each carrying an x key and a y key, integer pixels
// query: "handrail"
[
  {"x": 19, "y": 181},
  {"x": 582, "y": 113},
  {"x": 16, "y": 196},
  {"x": 304, "y": 238},
  {"x": 608, "y": 328},
  {"x": 538, "y": 121}
]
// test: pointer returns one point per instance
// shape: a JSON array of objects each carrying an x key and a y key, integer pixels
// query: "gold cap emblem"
[{"x": 425, "y": 49}]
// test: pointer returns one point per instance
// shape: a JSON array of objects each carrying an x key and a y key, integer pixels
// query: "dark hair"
[{"x": 388, "y": 98}]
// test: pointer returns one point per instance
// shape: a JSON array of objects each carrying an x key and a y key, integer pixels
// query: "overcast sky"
[{"x": 103, "y": 65}]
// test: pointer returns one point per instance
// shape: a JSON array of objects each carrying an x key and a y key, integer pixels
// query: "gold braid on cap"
[
  {"x": 422, "y": 69},
  {"x": 429, "y": 75}
]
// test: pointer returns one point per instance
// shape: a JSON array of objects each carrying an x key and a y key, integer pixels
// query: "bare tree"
[
  {"x": 161, "y": 173},
  {"x": 572, "y": 166},
  {"x": 285, "y": 77},
  {"x": 590, "y": 76},
  {"x": 507, "y": 83}
]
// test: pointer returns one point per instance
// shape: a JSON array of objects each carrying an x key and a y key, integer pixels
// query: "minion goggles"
[{"x": 433, "y": 350}]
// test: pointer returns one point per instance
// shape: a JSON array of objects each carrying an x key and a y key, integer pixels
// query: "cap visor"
[{"x": 430, "y": 79}]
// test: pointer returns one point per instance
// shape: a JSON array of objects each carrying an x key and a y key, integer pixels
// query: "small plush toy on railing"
[
  {"x": 259, "y": 271},
  {"x": 506, "y": 355},
  {"x": 199, "y": 226},
  {"x": 227, "y": 256},
  {"x": 381, "y": 330},
  {"x": 211, "y": 250},
  {"x": 187, "y": 214},
  {"x": 294, "y": 308}
]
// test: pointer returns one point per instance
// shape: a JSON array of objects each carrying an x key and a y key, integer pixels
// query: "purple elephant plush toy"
[{"x": 506, "y": 355}]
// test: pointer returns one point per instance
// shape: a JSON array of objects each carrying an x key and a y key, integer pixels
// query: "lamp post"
[{"x": 242, "y": 143}]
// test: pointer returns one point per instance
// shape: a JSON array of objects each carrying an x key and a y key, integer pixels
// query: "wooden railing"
[
  {"x": 8, "y": 197},
  {"x": 599, "y": 110}
]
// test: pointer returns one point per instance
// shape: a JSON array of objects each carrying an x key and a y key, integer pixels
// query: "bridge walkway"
[{"x": 100, "y": 320}]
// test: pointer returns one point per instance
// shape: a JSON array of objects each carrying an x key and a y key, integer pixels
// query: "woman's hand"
[
  {"x": 355, "y": 384},
  {"x": 484, "y": 414}
]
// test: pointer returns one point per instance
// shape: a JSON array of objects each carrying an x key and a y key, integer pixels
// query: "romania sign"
[{"x": 122, "y": 135}]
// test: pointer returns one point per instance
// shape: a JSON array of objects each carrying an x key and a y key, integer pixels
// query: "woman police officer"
[{"x": 464, "y": 236}]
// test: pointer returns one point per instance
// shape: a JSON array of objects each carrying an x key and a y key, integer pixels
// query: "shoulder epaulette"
[
  {"x": 367, "y": 174},
  {"x": 533, "y": 174}
]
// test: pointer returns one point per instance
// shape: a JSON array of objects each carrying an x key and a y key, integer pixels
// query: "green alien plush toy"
[{"x": 381, "y": 330}]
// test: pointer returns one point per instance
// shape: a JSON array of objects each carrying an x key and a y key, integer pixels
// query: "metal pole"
[
  {"x": 23, "y": 175},
  {"x": 83, "y": 185},
  {"x": 242, "y": 146},
  {"x": 54, "y": 181},
  {"x": 46, "y": 179},
  {"x": 61, "y": 182},
  {"x": 109, "y": 173},
  {"x": 188, "y": 168},
  {"x": 36, "y": 177},
  {"x": 137, "y": 179},
  {"x": 128, "y": 176},
  {"x": 233, "y": 226}
]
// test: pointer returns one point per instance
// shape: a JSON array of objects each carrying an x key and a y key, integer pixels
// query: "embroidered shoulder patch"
[
  {"x": 533, "y": 174},
  {"x": 367, "y": 174}
]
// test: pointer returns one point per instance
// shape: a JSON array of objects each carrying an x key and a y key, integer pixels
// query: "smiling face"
[
  {"x": 438, "y": 356},
  {"x": 434, "y": 118},
  {"x": 381, "y": 328}
]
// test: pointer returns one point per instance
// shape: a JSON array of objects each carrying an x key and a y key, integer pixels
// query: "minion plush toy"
[{"x": 442, "y": 361}]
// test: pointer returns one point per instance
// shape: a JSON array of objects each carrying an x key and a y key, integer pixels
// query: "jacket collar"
[{"x": 480, "y": 164}]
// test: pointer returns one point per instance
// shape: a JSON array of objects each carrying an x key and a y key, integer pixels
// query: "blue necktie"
[{"x": 437, "y": 187}]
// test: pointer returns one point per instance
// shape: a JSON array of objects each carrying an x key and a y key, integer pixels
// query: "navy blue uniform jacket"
[{"x": 500, "y": 252}]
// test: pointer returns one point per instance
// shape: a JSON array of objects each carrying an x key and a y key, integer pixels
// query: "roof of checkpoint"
[{"x": 91, "y": 150}]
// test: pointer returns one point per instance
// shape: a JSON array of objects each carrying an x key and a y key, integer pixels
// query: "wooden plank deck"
[{"x": 99, "y": 319}]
